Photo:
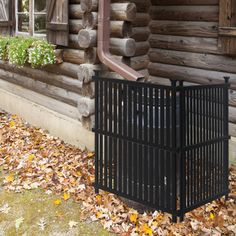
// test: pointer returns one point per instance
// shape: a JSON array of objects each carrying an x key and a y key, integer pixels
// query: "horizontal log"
[
  {"x": 86, "y": 106},
  {"x": 140, "y": 5},
  {"x": 142, "y": 48},
  {"x": 120, "y": 29},
  {"x": 185, "y": 2},
  {"x": 73, "y": 41},
  {"x": 140, "y": 33},
  {"x": 181, "y": 43},
  {"x": 75, "y": 26},
  {"x": 60, "y": 81},
  {"x": 89, "y": 5},
  {"x": 91, "y": 55},
  {"x": 196, "y": 60},
  {"x": 90, "y": 20},
  {"x": 50, "y": 103},
  {"x": 185, "y": 28},
  {"x": 74, "y": 56},
  {"x": 87, "y": 38},
  {"x": 232, "y": 97},
  {"x": 87, "y": 71},
  {"x": 141, "y": 20},
  {"x": 88, "y": 122},
  {"x": 75, "y": 11},
  {"x": 74, "y": 1},
  {"x": 139, "y": 62},
  {"x": 124, "y": 47},
  {"x": 65, "y": 68},
  {"x": 194, "y": 75},
  {"x": 185, "y": 13},
  {"x": 123, "y": 11},
  {"x": 40, "y": 87}
]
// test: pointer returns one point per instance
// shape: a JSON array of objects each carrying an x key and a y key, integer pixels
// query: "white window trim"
[{"x": 25, "y": 34}]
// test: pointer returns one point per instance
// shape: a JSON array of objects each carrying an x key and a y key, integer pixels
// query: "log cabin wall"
[
  {"x": 56, "y": 87},
  {"x": 184, "y": 45}
]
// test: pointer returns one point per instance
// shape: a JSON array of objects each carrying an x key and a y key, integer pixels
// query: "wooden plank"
[
  {"x": 40, "y": 87},
  {"x": 50, "y": 103},
  {"x": 185, "y": 13},
  {"x": 185, "y": 28},
  {"x": 190, "y": 44},
  {"x": 192, "y": 75},
  {"x": 186, "y": 2},
  {"x": 195, "y": 60}
]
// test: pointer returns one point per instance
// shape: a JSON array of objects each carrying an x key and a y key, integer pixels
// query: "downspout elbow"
[{"x": 103, "y": 45}]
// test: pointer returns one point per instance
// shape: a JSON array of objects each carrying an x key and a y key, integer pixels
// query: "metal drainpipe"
[{"x": 103, "y": 44}]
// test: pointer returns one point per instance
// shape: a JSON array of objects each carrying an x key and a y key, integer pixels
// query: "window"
[
  {"x": 31, "y": 17},
  {"x": 39, "y": 18}
]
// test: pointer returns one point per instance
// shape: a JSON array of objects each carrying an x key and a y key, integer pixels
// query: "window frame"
[{"x": 31, "y": 14}]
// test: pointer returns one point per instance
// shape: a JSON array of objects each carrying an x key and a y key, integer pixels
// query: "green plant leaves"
[{"x": 21, "y": 50}]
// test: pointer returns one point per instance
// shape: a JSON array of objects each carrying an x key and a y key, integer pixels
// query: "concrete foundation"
[{"x": 68, "y": 129}]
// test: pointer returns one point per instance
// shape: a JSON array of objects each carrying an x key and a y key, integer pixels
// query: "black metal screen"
[{"x": 163, "y": 146}]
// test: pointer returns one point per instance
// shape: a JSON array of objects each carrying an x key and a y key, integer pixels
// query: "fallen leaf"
[
  {"x": 211, "y": 217},
  {"x": 19, "y": 222},
  {"x": 66, "y": 196},
  {"x": 31, "y": 157},
  {"x": 12, "y": 124},
  {"x": 42, "y": 224},
  {"x": 10, "y": 178},
  {"x": 194, "y": 224},
  {"x": 147, "y": 230},
  {"x": 57, "y": 202},
  {"x": 99, "y": 199},
  {"x": 108, "y": 224},
  {"x": 99, "y": 215},
  {"x": 5, "y": 209},
  {"x": 90, "y": 155},
  {"x": 133, "y": 218},
  {"x": 73, "y": 224}
]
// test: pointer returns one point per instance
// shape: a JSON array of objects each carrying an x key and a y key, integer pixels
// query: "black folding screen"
[{"x": 163, "y": 146}]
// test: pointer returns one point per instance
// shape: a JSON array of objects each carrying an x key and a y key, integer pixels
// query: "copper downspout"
[{"x": 103, "y": 44}]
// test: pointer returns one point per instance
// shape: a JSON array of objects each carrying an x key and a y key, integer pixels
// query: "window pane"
[
  {"x": 23, "y": 5},
  {"x": 39, "y": 5},
  {"x": 40, "y": 24},
  {"x": 23, "y": 23}
]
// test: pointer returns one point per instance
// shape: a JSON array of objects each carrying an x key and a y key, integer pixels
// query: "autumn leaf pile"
[{"x": 30, "y": 158}]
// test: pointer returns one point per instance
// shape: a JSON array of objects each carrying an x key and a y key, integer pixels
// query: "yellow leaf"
[
  {"x": 10, "y": 178},
  {"x": 99, "y": 199},
  {"x": 99, "y": 214},
  {"x": 147, "y": 230},
  {"x": 160, "y": 217},
  {"x": 91, "y": 179},
  {"x": 66, "y": 196},
  {"x": 12, "y": 124},
  {"x": 31, "y": 157},
  {"x": 79, "y": 173},
  {"x": 90, "y": 154},
  {"x": 57, "y": 202},
  {"x": 154, "y": 223},
  {"x": 211, "y": 216},
  {"x": 133, "y": 218}
]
